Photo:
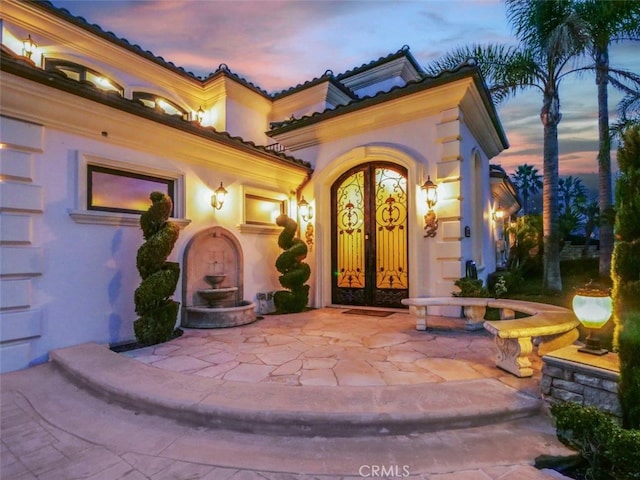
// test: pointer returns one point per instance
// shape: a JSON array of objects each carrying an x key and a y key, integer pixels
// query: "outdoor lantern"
[
  {"x": 593, "y": 308},
  {"x": 217, "y": 199},
  {"x": 200, "y": 115},
  {"x": 498, "y": 215},
  {"x": 432, "y": 192},
  {"x": 305, "y": 210},
  {"x": 430, "y": 219},
  {"x": 28, "y": 46}
]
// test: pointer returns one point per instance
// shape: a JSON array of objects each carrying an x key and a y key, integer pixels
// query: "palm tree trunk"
[
  {"x": 550, "y": 116},
  {"x": 604, "y": 164}
]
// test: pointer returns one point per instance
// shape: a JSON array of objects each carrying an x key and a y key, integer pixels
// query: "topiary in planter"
[
  {"x": 294, "y": 271},
  {"x": 157, "y": 312}
]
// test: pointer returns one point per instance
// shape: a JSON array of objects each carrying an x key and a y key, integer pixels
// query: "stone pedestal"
[{"x": 590, "y": 380}]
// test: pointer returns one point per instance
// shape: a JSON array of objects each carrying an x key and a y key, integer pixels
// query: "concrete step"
[
  {"x": 60, "y": 430},
  {"x": 293, "y": 411}
]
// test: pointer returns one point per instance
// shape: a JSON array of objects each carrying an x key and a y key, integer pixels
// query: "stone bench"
[{"x": 548, "y": 326}]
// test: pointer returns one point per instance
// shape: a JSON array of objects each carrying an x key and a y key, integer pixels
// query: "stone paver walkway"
[
  {"x": 54, "y": 429},
  {"x": 327, "y": 347}
]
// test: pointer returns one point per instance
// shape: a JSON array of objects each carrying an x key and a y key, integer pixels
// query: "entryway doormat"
[{"x": 371, "y": 313}]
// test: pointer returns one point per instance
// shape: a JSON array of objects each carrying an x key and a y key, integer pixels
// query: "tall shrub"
[
  {"x": 629, "y": 387},
  {"x": 625, "y": 264},
  {"x": 157, "y": 312},
  {"x": 294, "y": 271}
]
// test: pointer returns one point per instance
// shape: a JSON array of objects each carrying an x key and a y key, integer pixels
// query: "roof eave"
[{"x": 25, "y": 70}]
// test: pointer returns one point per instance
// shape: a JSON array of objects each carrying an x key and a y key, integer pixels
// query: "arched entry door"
[{"x": 369, "y": 236}]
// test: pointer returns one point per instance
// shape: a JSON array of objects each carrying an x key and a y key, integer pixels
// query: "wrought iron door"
[{"x": 369, "y": 236}]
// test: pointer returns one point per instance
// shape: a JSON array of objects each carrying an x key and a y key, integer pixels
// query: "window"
[
  {"x": 155, "y": 101},
  {"x": 111, "y": 190},
  {"x": 80, "y": 73},
  {"x": 262, "y": 210}
]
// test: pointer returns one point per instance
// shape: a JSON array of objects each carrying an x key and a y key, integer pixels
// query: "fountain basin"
[
  {"x": 221, "y": 317},
  {"x": 215, "y": 297},
  {"x": 215, "y": 279}
]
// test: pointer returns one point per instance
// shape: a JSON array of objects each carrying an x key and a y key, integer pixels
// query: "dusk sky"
[{"x": 280, "y": 44}]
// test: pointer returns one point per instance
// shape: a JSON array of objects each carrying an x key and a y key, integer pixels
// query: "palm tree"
[
  {"x": 528, "y": 182},
  {"x": 571, "y": 191},
  {"x": 549, "y": 36},
  {"x": 606, "y": 23},
  {"x": 590, "y": 212}
]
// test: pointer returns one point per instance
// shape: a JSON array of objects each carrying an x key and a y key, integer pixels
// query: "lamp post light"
[{"x": 593, "y": 308}]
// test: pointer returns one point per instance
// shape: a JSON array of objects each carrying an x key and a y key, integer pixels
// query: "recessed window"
[
  {"x": 80, "y": 73},
  {"x": 112, "y": 190},
  {"x": 154, "y": 101},
  {"x": 260, "y": 210}
]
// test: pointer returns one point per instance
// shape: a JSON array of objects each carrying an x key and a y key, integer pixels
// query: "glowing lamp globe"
[{"x": 593, "y": 308}]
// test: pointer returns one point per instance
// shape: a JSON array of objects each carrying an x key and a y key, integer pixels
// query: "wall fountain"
[{"x": 212, "y": 286}]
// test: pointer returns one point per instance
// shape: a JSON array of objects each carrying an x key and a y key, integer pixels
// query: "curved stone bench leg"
[
  {"x": 513, "y": 355},
  {"x": 421, "y": 317},
  {"x": 550, "y": 343},
  {"x": 474, "y": 316}
]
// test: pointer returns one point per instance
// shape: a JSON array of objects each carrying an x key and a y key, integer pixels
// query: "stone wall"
[
  {"x": 574, "y": 252},
  {"x": 569, "y": 380}
]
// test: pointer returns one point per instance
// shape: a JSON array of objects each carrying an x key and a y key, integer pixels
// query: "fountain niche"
[{"x": 212, "y": 286}]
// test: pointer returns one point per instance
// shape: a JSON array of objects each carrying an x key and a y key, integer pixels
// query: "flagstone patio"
[{"x": 326, "y": 347}]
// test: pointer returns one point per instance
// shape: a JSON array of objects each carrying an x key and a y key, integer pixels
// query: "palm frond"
[{"x": 506, "y": 69}]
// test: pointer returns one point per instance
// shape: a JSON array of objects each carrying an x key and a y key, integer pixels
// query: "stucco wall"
[{"x": 84, "y": 290}]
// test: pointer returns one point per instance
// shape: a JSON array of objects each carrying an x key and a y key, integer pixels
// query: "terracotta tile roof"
[
  {"x": 328, "y": 76},
  {"x": 223, "y": 69},
  {"x": 13, "y": 64},
  {"x": 468, "y": 69},
  {"x": 403, "y": 52}
]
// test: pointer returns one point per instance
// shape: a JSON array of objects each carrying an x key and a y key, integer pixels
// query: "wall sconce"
[
  {"x": 305, "y": 210},
  {"x": 430, "y": 219},
  {"x": 218, "y": 197},
  {"x": 593, "y": 308},
  {"x": 200, "y": 115},
  {"x": 28, "y": 47},
  {"x": 498, "y": 215}
]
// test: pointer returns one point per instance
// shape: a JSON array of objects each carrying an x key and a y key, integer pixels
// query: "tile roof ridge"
[
  {"x": 405, "y": 51},
  {"x": 137, "y": 49},
  {"x": 467, "y": 65},
  {"x": 224, "y": 70},
  {"x": 328, "y": 75},
  {"x": 109, "y": 35}
]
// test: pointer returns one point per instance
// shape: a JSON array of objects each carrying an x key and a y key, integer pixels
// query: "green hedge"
[
  {"x": 609, "y": 451},
  {"x": 625, "y": 262},
  {"x": 629, "y": 387}
]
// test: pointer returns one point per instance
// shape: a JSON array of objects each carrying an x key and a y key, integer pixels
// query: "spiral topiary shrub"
[
  {"x": 157, "y": 313},
  {"x": 294, "y": 271}
]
